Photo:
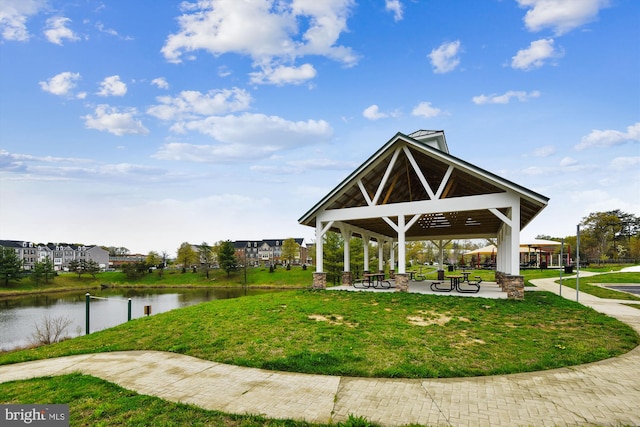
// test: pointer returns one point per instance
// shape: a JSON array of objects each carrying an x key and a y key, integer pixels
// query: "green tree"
[
  {"x": 598, "y": 234},
  {"x": 135, "y": 270},
  {"x": 415, "y": 252},
  {"x": 43, "y": 270},
  {"x": 333, "y": 249},
  {"x": 207, "y": 257},
  {"x": 91, "y": 267},
  {"x": 186, "y": 256},
  {"x": 76, "y": 266},
  {"x": 164, "y": 256},
  {"x": 10, "y": 265},
  {"x": 356, "y": 256},
  {"x": 290, "y": 249},
  {"x": 227, "y": 257},
  {"x": 153, "y": 259},
  {"x": 116, "y": 251}
]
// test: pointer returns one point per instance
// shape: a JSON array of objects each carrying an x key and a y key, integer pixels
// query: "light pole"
[
  {"x": 561, "y": 263},
  {"x": 245, "y": 263},
  {"x": 578, "y": 262}
]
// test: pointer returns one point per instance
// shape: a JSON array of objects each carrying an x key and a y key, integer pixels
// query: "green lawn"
[
  {"x": 370, "y": 334},
  {"x": 590, "y": 285}
]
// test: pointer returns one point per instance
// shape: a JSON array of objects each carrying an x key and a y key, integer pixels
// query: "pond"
[{"x": 108, "y": 308}]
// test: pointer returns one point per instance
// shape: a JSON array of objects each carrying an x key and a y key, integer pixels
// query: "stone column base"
[
  {"x": 500, "y": 280},
  {"x": 402, "y": 282},
  {"x": 319, "y": 280},
  {"x": 514, "y": 286},
  {"x": 392, "y": 274},
  {"x": 347, "y": 278}
]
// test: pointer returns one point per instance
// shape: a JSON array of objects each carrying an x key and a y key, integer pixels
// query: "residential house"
[
  {"x": 267, "y": 252},
  {"x": 60, "y": 254}
]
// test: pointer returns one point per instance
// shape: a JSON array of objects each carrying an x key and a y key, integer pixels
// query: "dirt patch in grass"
[
  {"x": 333, "y": 319},
  {"x": 431, "y": 317}
]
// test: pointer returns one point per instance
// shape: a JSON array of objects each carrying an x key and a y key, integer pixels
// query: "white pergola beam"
[
  {"x": 457, "y": 204},
  {"x": 385, "y": 178},
  {"x": 418, "y": 171}
]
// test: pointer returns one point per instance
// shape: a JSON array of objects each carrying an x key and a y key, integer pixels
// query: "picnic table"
[
  {"x": 470, "y": 288},
  {"x": 455, "y": 282},
  {"x": 373, "y": 280}
]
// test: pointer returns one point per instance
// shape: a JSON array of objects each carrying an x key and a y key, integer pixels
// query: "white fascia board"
[{"x": 457, "y": 204}]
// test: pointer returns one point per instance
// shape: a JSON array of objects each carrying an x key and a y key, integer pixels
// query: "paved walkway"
[{"x": 605, "y": 393}]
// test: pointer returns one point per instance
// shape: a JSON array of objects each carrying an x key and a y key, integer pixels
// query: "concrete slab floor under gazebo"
[
  {"x": 412, "y": 188},
  {"x": 489, "y": 290}
]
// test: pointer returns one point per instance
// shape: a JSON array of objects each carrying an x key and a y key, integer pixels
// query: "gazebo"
[
  {"x": 413, "y": 189},
  {"x": 540, "y": 247}
]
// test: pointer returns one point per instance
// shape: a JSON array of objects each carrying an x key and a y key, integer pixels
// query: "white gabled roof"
[{"x": 418, "y": 169}]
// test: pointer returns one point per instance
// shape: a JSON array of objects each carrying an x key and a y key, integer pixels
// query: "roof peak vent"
[{"x": 432, "y": 138}]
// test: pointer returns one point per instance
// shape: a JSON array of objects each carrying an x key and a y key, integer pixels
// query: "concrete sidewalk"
[{"x": 605, "y": 393}]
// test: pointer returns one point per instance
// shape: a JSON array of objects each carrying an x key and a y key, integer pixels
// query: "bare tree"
[{"x": 51, "y": 330}]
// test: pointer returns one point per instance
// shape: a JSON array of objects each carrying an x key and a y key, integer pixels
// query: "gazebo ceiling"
[{"x": 406, "y": 170}]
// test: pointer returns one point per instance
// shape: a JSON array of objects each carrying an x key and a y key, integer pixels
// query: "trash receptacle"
[
  {"x": 543, "y": 265},
  {"x": 568, "y": 269},
  {"x": 450, "y": 268},
  {"x": 440, "y": 274}
]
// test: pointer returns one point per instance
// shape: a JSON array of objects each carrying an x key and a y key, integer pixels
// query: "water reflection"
[{"x": 108, "y": 308}]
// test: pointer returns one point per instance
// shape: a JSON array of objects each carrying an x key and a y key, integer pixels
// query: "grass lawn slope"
[{"x": 370, "y": 334}]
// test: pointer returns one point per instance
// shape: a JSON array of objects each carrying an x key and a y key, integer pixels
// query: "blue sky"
[{"x": 145, "y": 124}]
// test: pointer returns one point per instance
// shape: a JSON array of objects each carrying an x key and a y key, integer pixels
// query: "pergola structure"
[{"x": 413, "y": 189}]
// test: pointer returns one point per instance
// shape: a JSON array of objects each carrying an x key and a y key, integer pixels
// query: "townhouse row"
[{"x": 60, "y": 254}]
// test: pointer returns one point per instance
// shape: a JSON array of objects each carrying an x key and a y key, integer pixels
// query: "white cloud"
[
  {"x": 608, "y": 138},
  {"x": 445, "y": 58},
  {"x": 373, "y": 113},
  {"x": 269, "y": 34},
  {"x": 424, "y": 109},
  {"x": 626, "y": 163},
  {"x": 224, "y": 71},
  {"x": 245, "y": 137},
  {"x": 110, "y": 31},
  {"x": 568, "y": 161},
  {"x": 534, "y": 171},
  {"x": 544, "y": 151},
  {"x": 56, "y": 30},
  {"x": 112, "y": 86},
  {"x": 192, "y": 104},
  {"x": 297, "y": 167},
  {"x": 14, "y": 15},
  {"x": 561, "y": 16},
  {"x": 62, "y": 84},
  {"x": 110, "y": 119},
  {"x": 535, "y": 55},
  {"x": 160, "y": 82},
  {"x": 282, "y": 75},
  {"x": 269, "y": 132},
  {"x": 74, "y": 168},
  {"x": 505, "y": 98},
  {"x": 396, "y": 7}
]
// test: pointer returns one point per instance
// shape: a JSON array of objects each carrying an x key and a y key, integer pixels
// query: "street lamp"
[
  {"x": 578, "y": 261},
  {"x": 245, "y": 263}
]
